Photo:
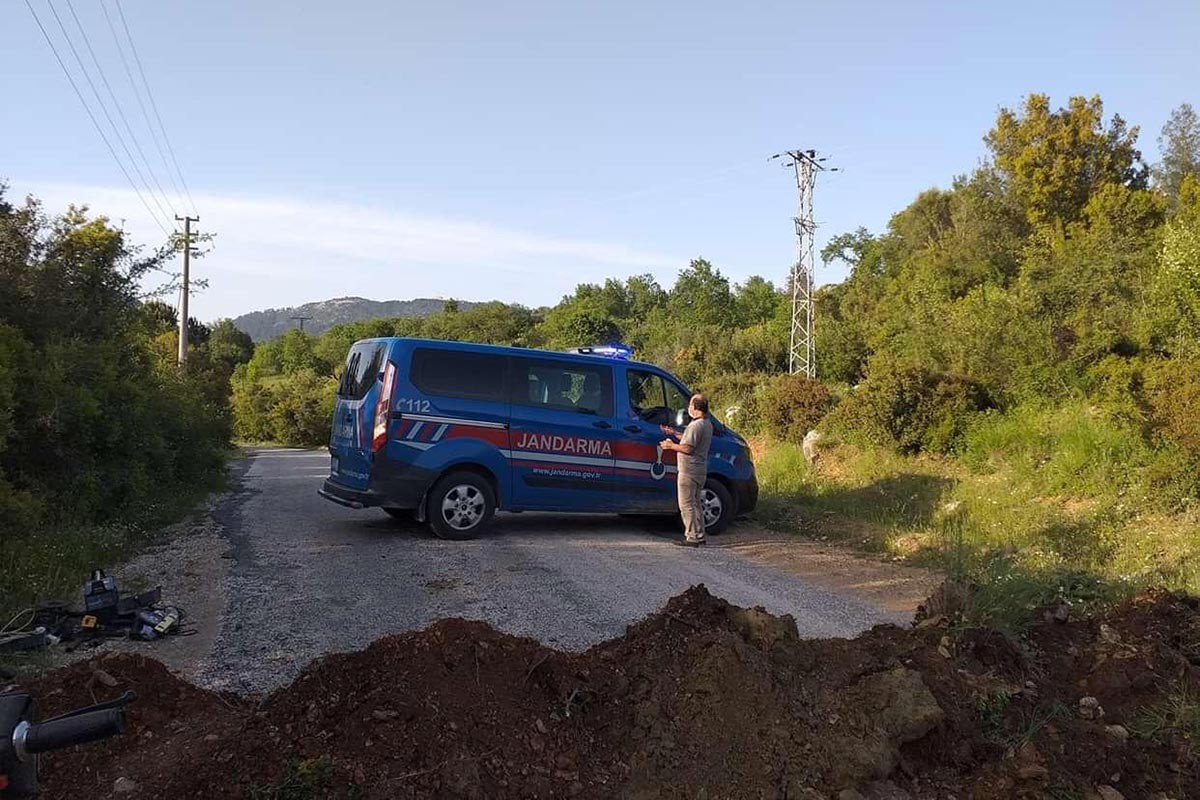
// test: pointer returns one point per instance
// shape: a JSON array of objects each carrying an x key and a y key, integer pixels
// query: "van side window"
[
  {"x": 456, "y": 373},
  {"x": 363, "y": 364},
  {"x": 677, "y": 400},
  {"x": 647, "y": 395},
  {"x": 563, "y": 386}
]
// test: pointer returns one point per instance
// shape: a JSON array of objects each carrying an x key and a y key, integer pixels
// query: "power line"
[
  {"x": 137, "y": 93},
  {"x": 117, "y": 105},
  {"x": 104, "y": 108},
  {"x": 112, "y": 151},
  {"x": 150, "y": 94}
]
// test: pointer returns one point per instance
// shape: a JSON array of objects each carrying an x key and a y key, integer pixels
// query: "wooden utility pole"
[{"x": 183, "y": 301}]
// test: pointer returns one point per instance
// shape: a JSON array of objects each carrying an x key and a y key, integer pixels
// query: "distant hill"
[{"x": 264, "y": 325}]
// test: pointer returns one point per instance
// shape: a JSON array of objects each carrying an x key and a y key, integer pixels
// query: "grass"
[
  {"x": 307, "y": 779},
  {"x": 1176, "y": 718},
  {"x": 53, "y": 563},
  {"x": 1041, "y": 504}
]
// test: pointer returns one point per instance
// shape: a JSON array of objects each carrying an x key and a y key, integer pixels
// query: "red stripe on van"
[{"x": 464, "y": 430}]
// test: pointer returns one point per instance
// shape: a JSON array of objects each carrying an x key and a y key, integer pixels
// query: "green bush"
[
  {"x": 1075, "y": 449},
  {"x": 733, "y": 398},
  {"x": 295, "y": 409},
  {"x": 1173, "y": 394},
  {"x": 789, "y": 406},
  {"x": 911, "y": 409},
  {"x": 302, "y": 409}
]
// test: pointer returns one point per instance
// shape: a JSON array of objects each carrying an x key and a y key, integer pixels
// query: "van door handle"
[
  {"x": 633, "y": 428},
  {"x": 601, "y": 424}
]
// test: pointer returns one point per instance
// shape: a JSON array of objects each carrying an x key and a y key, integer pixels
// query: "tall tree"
[
  {"x": 1179, "y": 144},
  {"x": 1054, "y": 161},
  {"x": 701, "y": 296}
]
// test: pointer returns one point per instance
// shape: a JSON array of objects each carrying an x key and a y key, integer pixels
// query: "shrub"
[
  {"x": 293, "y": 410},
  {"x": 1173, "y": 394},
  {"x": 733, "y": 398},
  {"x": 1072, "y": 449},
  {"x": 789, "y": 406},
  {"x": 302, "y": 409},
  {"x": 911, "y": 408}
]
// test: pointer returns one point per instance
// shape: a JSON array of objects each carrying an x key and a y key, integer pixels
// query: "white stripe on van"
[
  {"x": 412, "y": 434},
  {"x": 441, "y": 432},
  {"x": 478, "y": 423}
]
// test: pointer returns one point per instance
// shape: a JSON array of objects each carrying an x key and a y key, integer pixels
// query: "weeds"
[
  {"x": 53, "y": 563},
  {"x": 1177, "y": 717},
  {"x": 305, "y": 780},
  {"x": 1042, "y": 507}
]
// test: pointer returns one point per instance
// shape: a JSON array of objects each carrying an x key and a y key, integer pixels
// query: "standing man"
[{"x": 692, "y": 460}]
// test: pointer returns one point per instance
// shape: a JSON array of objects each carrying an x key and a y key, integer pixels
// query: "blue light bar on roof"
[{"x": 613, "y": 350}]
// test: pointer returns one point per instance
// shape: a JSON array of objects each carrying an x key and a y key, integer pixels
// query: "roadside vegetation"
[
  {"x": 102, "y": 437},
  {"x": 1009, "y": 377}
]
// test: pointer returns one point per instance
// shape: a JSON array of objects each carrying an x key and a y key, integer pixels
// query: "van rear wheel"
[
  {"x": 460, "y": 506},
  {"x": 719, "y": 506}
]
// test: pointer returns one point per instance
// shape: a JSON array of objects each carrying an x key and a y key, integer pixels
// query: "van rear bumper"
[
  {"x": 390, "y": 487},
  {"x": 746, "y": 493},
  {"x": 343, "y": 496}
]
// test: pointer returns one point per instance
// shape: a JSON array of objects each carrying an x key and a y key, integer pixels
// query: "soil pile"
[{"x": 702, "y": 699}]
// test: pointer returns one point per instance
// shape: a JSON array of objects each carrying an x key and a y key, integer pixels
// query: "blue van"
[{"x": 449, "y": 432}]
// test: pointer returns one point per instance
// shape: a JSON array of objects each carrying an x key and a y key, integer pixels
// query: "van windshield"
[{"x": 362, "y": 370}]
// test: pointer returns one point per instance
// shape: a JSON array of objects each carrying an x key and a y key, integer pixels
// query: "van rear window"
[
  {"x": 455, "y": 373},
  {"x": 362, "y": 370}
]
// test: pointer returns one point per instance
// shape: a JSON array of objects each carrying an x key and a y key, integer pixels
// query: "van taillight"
[{"x": 383, "y": 408}]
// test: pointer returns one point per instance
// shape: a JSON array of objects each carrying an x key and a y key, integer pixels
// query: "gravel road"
[{"x": 303, "y": 577}]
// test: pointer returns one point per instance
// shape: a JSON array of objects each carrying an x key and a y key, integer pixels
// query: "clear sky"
[{"x": 511, "y": 150}]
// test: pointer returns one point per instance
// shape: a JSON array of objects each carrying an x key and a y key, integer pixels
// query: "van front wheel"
[
  {"x": 460, "y": 506},
  {"x": 719, "y": 506}
]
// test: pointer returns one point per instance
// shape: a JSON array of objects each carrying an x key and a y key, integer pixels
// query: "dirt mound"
[{"x": 702, "y": 699}]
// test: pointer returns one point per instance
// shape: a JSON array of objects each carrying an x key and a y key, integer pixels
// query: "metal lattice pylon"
[{"x": 802, "y": 355}]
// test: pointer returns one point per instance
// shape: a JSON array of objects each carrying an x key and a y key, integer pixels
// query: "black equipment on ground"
[{"x": 22, "y": 737}]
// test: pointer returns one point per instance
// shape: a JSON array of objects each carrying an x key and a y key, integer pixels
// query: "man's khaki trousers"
[{"x": 691, "y": 506}]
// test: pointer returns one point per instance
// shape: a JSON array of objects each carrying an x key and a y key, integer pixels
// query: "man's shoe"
[{"x": 690, "y": 543}]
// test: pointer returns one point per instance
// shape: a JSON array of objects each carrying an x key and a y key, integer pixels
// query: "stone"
[
  {"x": 384, "y": 714},
  {"x": 1107, "y": 792},
  {"x": 811, "y": 446},
  {"x": 541, "y": 726},
  {"x": 1033, "y": 772},
  {"x": 1089, "y": 708},
  {"x": 104, "y": 678},
  {"x": 884, "y": 790},
  {"x": 1117, "y": 732},
  {"x": 124, "y": 786},
  {"x": 850, "y": 794}
]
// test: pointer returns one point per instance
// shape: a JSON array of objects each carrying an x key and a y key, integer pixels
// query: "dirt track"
[{"x": 277, "y": 576}]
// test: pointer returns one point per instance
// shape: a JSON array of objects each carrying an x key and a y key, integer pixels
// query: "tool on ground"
[
  {"x": 100, "y": 596},
  {"x": 106, "y": 613}
]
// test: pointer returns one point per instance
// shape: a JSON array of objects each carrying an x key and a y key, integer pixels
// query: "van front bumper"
[{"x": 746, "y": 494}]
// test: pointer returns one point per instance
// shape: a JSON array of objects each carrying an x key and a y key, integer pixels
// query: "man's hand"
[
  {"x": 668, "y": 430},
  {"x": 667, "y": 444}
]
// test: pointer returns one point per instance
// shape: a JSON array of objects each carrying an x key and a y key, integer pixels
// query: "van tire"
[
  {"x": 719, "y": 494},
  {"x": 461, "y": 505}
]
